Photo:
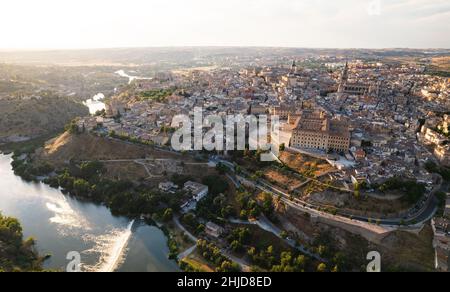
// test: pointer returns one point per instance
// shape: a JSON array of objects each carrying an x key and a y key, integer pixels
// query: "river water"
[
  {"x": 96, "y": 103},
  {"x": 62, "y": 224},
  {"x": 131, "y": 78}
]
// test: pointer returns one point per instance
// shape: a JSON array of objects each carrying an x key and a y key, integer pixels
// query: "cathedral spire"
[
  {"x": 294, "y": 67},
  {"x": 344, "y": 76},
  {"x": 344, "y": 79}
]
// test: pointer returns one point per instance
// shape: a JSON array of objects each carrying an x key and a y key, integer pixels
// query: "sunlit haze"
[{"x": 31, "y": 24}]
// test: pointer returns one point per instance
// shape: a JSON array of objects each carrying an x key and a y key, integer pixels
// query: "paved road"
[
  {"x": 423, "y": 216},
  {"x": 179, "y": 225},
  {"x": 420, "y": 217},
  {"x": 187, "y": 253},
  {"x": 190, "y": 250}
]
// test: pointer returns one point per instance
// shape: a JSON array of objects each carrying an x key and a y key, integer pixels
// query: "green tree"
[
  {"x": 72, "y": 128},
  {"x": 16, "y": 254},
  {"x": 200, "y": 228},
  {"x": 168, "y": 215},
  {"x": 217, "y": 185},
  {"x": 300, "y": 262},
  {"x": 91, "y": 169},
  {"x": 322, "y": 268},
  {"x": 236, "y": 246},
  {"x": 81, "y": 187},
  {"x": 229, "y": 267},
  {"x": 189, "y": 219},
  {"x": 268, "y": 206}
]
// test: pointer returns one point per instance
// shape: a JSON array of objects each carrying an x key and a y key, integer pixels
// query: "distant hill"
[
  {"x": 191, "y": 56},
  {"x": 35, "y": 116},
  {"x": 79, "y": 82},
  {"x": 442, "y": 63}
]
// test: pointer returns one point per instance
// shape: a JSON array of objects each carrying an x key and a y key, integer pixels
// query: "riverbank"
[
  {"x": 64, "y": 223},
  {"x": 92, "y": 182},
  {"x": 87, "y": 180},
  {"x": 17, "y": 254},
  {"x": 29, "y": 145}
]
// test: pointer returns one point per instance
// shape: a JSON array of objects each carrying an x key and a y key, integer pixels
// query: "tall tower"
[
  {"x": 294, "y": 68},
  {"x": 344, "y": 79}
]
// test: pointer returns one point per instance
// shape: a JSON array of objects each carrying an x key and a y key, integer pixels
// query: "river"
[
  {"x": 122, "y": 73},
  {"x": 62, "y": 224},
  {"x": 96, "y": 103}
]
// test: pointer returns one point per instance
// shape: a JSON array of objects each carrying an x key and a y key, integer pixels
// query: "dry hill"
[{"x": 22, "y": 119}]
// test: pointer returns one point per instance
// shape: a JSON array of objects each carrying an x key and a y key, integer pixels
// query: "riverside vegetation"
[{"x": 17, "y": 254}]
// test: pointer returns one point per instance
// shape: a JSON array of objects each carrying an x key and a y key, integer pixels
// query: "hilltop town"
[
  {"x": 374, "y": 135},
  {"x": 363, "y": 162}
]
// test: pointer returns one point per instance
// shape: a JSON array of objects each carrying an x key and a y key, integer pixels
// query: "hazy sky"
[{"x": 292, "y": 23}]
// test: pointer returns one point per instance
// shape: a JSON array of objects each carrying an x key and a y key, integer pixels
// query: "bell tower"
[
  {"x": 344, "y": 79},
  {"x": 294, "y": 69}
]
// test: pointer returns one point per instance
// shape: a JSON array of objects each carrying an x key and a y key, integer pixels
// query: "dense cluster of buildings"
[
  {"x": 372, "y": 120},
  {"x": 356, "y": 87},
  {"x": 370, "y": 113},
  {"x": 376, "y": 115},
  {"x": 196, "y": 192},
  {"x": 435, "y": 134},
  {"x": 193, "y": 192}
]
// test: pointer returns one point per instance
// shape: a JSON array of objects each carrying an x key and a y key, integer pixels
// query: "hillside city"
[{"x": 362, "y": 161}]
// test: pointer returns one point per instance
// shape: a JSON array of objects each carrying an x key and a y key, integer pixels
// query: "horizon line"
[{"x": 6, "y": 50}]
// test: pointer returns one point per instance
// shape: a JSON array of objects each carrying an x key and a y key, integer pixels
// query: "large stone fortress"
[
  {"x": 315, "y": 130},
  {"x": 312, "y": 129}
]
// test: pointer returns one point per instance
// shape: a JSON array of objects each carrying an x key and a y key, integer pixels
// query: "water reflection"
[{"x": 62, "y": 224}]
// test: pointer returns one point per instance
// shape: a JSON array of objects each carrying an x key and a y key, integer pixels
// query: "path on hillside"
[{"x": 242, "y": 263}]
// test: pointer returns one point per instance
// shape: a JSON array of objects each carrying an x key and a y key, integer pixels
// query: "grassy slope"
[{"x": 34, "y": 118}]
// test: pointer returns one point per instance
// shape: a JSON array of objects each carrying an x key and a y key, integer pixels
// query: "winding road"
[{"x": 426, "y": 212}]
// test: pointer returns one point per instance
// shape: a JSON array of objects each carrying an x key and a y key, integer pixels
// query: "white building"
[
  {"x": 214, "y": 230},
  {"x": 168, "y": 187},
  {"x": 198, "y": 192}
]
